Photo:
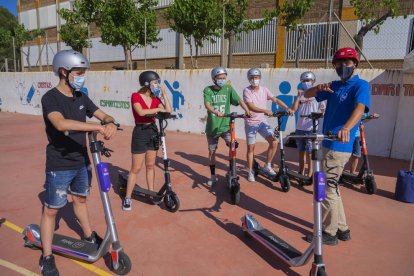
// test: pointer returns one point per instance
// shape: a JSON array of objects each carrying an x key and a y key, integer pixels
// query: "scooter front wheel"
[
  {"x": 370, "y": 184},
  {"x": 235, "y": 192},
  {"x": 172, "y": 202},
  {"x": 124, "y": 264},
  {"x": 285, "y": 183}
]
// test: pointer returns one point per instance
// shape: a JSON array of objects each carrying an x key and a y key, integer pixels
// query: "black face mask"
[{"x": 345, "y": 72}]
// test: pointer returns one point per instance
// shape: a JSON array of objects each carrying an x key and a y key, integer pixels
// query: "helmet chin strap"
[{"x": 68, "y": 83}]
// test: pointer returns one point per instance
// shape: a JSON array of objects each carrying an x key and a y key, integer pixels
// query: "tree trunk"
[
  {"x": 359, "y": 37},
  {"x": 231, "y": 47},
  {"x": 126, "y": 57},
  {"x": 28, "y": 57},
  {"x": 191, "y": 52},
  {"x": 196, "y": 56}
]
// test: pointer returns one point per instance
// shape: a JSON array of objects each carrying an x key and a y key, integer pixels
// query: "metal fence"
[{"x": 313, "y": 45}]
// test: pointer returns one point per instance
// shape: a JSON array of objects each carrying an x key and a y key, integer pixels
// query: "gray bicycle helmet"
[
  {"x": 308, "y": 75},
  {"x": 217, "y": 71},
  {"x": 253, "y": 72},
  {"x": 69, "y": 59},
  {"x": 146, "y": 77}
]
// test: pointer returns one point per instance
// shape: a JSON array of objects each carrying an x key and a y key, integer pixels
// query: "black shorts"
[{"x": 144, "y": 138}]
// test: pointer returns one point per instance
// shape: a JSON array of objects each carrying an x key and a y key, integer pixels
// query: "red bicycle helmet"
[{"x": 344, "y": 53}]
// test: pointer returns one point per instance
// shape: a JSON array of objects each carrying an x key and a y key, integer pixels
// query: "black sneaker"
[
  {"x": 94, "y": 238},
  {"x": 326, "y": 239},
  {"x": 126, "y": 204},
  {"x": 344, "y": 235},
  {"x": 48, "y": 266}
]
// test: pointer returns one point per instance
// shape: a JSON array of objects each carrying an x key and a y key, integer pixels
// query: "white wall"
[{"x": 390, "y": 136}]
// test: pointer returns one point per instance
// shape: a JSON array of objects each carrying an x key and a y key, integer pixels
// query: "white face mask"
[
  {"x": 254, "y": 83},
  {"x": 306, "y": 85},
  {"x": 78, "y": 82}
]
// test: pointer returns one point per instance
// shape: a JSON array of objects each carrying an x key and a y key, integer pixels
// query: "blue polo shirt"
[{"x": 340, "y": 106}]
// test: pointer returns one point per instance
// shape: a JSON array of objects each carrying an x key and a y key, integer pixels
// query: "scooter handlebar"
[
  {"x": 162, "y": 115},
  {"x": 235, "y": 115},
  {"x": 313, "y": 115},
  {"x": 67, "y": 132},
  {"x": 280, "y": 113},
  {"x": 370, "y": 117},
  {"x": 315, "y": 136}
]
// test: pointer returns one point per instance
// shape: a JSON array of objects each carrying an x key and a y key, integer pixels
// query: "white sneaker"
[
  {"x": 126, "y": 204},
  {"x": 269, "y": 170},
  {"x": 212, "y": 180},
  {"x": 251, "y": 178}
]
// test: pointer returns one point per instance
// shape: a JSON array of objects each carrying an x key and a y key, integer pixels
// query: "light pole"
[
  {"x": 145, "y": 43},
  {"x": 223, "y": 55}
]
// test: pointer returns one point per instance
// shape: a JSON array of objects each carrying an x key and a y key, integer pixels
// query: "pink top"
[
  {"x": 137, "y": 98},
  {"x": 259, "y": 99}
]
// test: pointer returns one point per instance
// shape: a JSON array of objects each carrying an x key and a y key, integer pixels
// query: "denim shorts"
[
  {"x": 212, "y": 141},
  {"x": 303, "y": 144},
  {"x": 251, "y": 130},
  {"x": 59, "y": 183},
  {"x": 356, "y": 148}
]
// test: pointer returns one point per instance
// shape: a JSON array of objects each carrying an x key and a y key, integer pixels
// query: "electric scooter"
[
  {"x": 365, "y": 175},
  {"x": 300, "y": 178},
  {"x": 281, "y": 175},
  {"x": 290, "y": 255},
  {"x": 80, "y": 249},
  {"x": 232, "y": 178},
  {"x": 166, "y": 193}
]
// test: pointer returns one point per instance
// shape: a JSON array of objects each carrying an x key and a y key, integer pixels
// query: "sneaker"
[
  {"x": 269, "y": 170},
  {"x": 126, "y": 204},
  {"x": 94, "y": 238},
  {"x": 251, "y": 178},
  {"x": 48, "y": 266},
  {"x": 343, "y": 235},
  {"x": 326, "y": 238},
  {"x": 212, "y": 180}
]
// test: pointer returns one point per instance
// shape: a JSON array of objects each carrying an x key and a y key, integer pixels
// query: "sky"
[{"x": 11, "y": 5}]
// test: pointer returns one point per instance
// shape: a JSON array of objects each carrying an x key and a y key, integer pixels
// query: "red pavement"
[{"x": 204, "y": 237}]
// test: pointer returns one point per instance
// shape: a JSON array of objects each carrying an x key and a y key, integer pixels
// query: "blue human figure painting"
[
  {"x": 177, "y": 96},
  {"x": 285, "y": 88}
]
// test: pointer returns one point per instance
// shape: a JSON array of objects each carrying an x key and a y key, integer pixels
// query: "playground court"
[{"x": 204, "y": 237}]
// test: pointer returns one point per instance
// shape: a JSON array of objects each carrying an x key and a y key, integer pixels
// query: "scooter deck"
[
  {"x": 138, "y": 191},
  {"x": 351, "y": 178},
  {"x": 299, "y": 177},
  {"x": 277, "y": 243},
  {"x": 68, "y": 245},
  {"x": 144, "y": 192}
]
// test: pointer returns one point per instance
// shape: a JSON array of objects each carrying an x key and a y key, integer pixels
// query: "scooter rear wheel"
[
  {"x": 285, "y": 183},
  {"x": 124, "y": 264},
  {"x": 370, "y": 184},
  {"x": 172, "y": 202}
]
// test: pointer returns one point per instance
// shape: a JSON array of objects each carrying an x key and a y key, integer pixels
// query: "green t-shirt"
[{"x": 219, "y": 100}]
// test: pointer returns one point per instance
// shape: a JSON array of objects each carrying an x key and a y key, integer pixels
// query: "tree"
[
  {"x": 235, "y": 22},
  {"x": 292, "y": 17},
  {"x": 196, "y": 20},
  {"x": 7, "y": 24},
  {"x": 130, "y": 24},
  {"x": 373, "y": 13},
  {"x": 75, "y": 32}
]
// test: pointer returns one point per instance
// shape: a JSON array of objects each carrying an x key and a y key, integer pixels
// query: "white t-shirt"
[{"x": 306, "y": 107}]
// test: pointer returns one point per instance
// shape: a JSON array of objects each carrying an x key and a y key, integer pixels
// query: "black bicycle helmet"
[{"x": 146, "y": 77}]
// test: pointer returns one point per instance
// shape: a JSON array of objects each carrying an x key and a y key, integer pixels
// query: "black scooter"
[
  {"x": 300, "y": 178},
  {"x": 80, "y": 249},
  {"x": 286, "y": 252},
  {"x": 232, "y": 178},
  {"x": 171, "y": 200},
  {"x": 282, "y": 174},
  {"x": 365, "y": 175}
]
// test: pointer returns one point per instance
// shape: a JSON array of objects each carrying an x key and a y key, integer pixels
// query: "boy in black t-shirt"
[{"x": 67, "y": 161}]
